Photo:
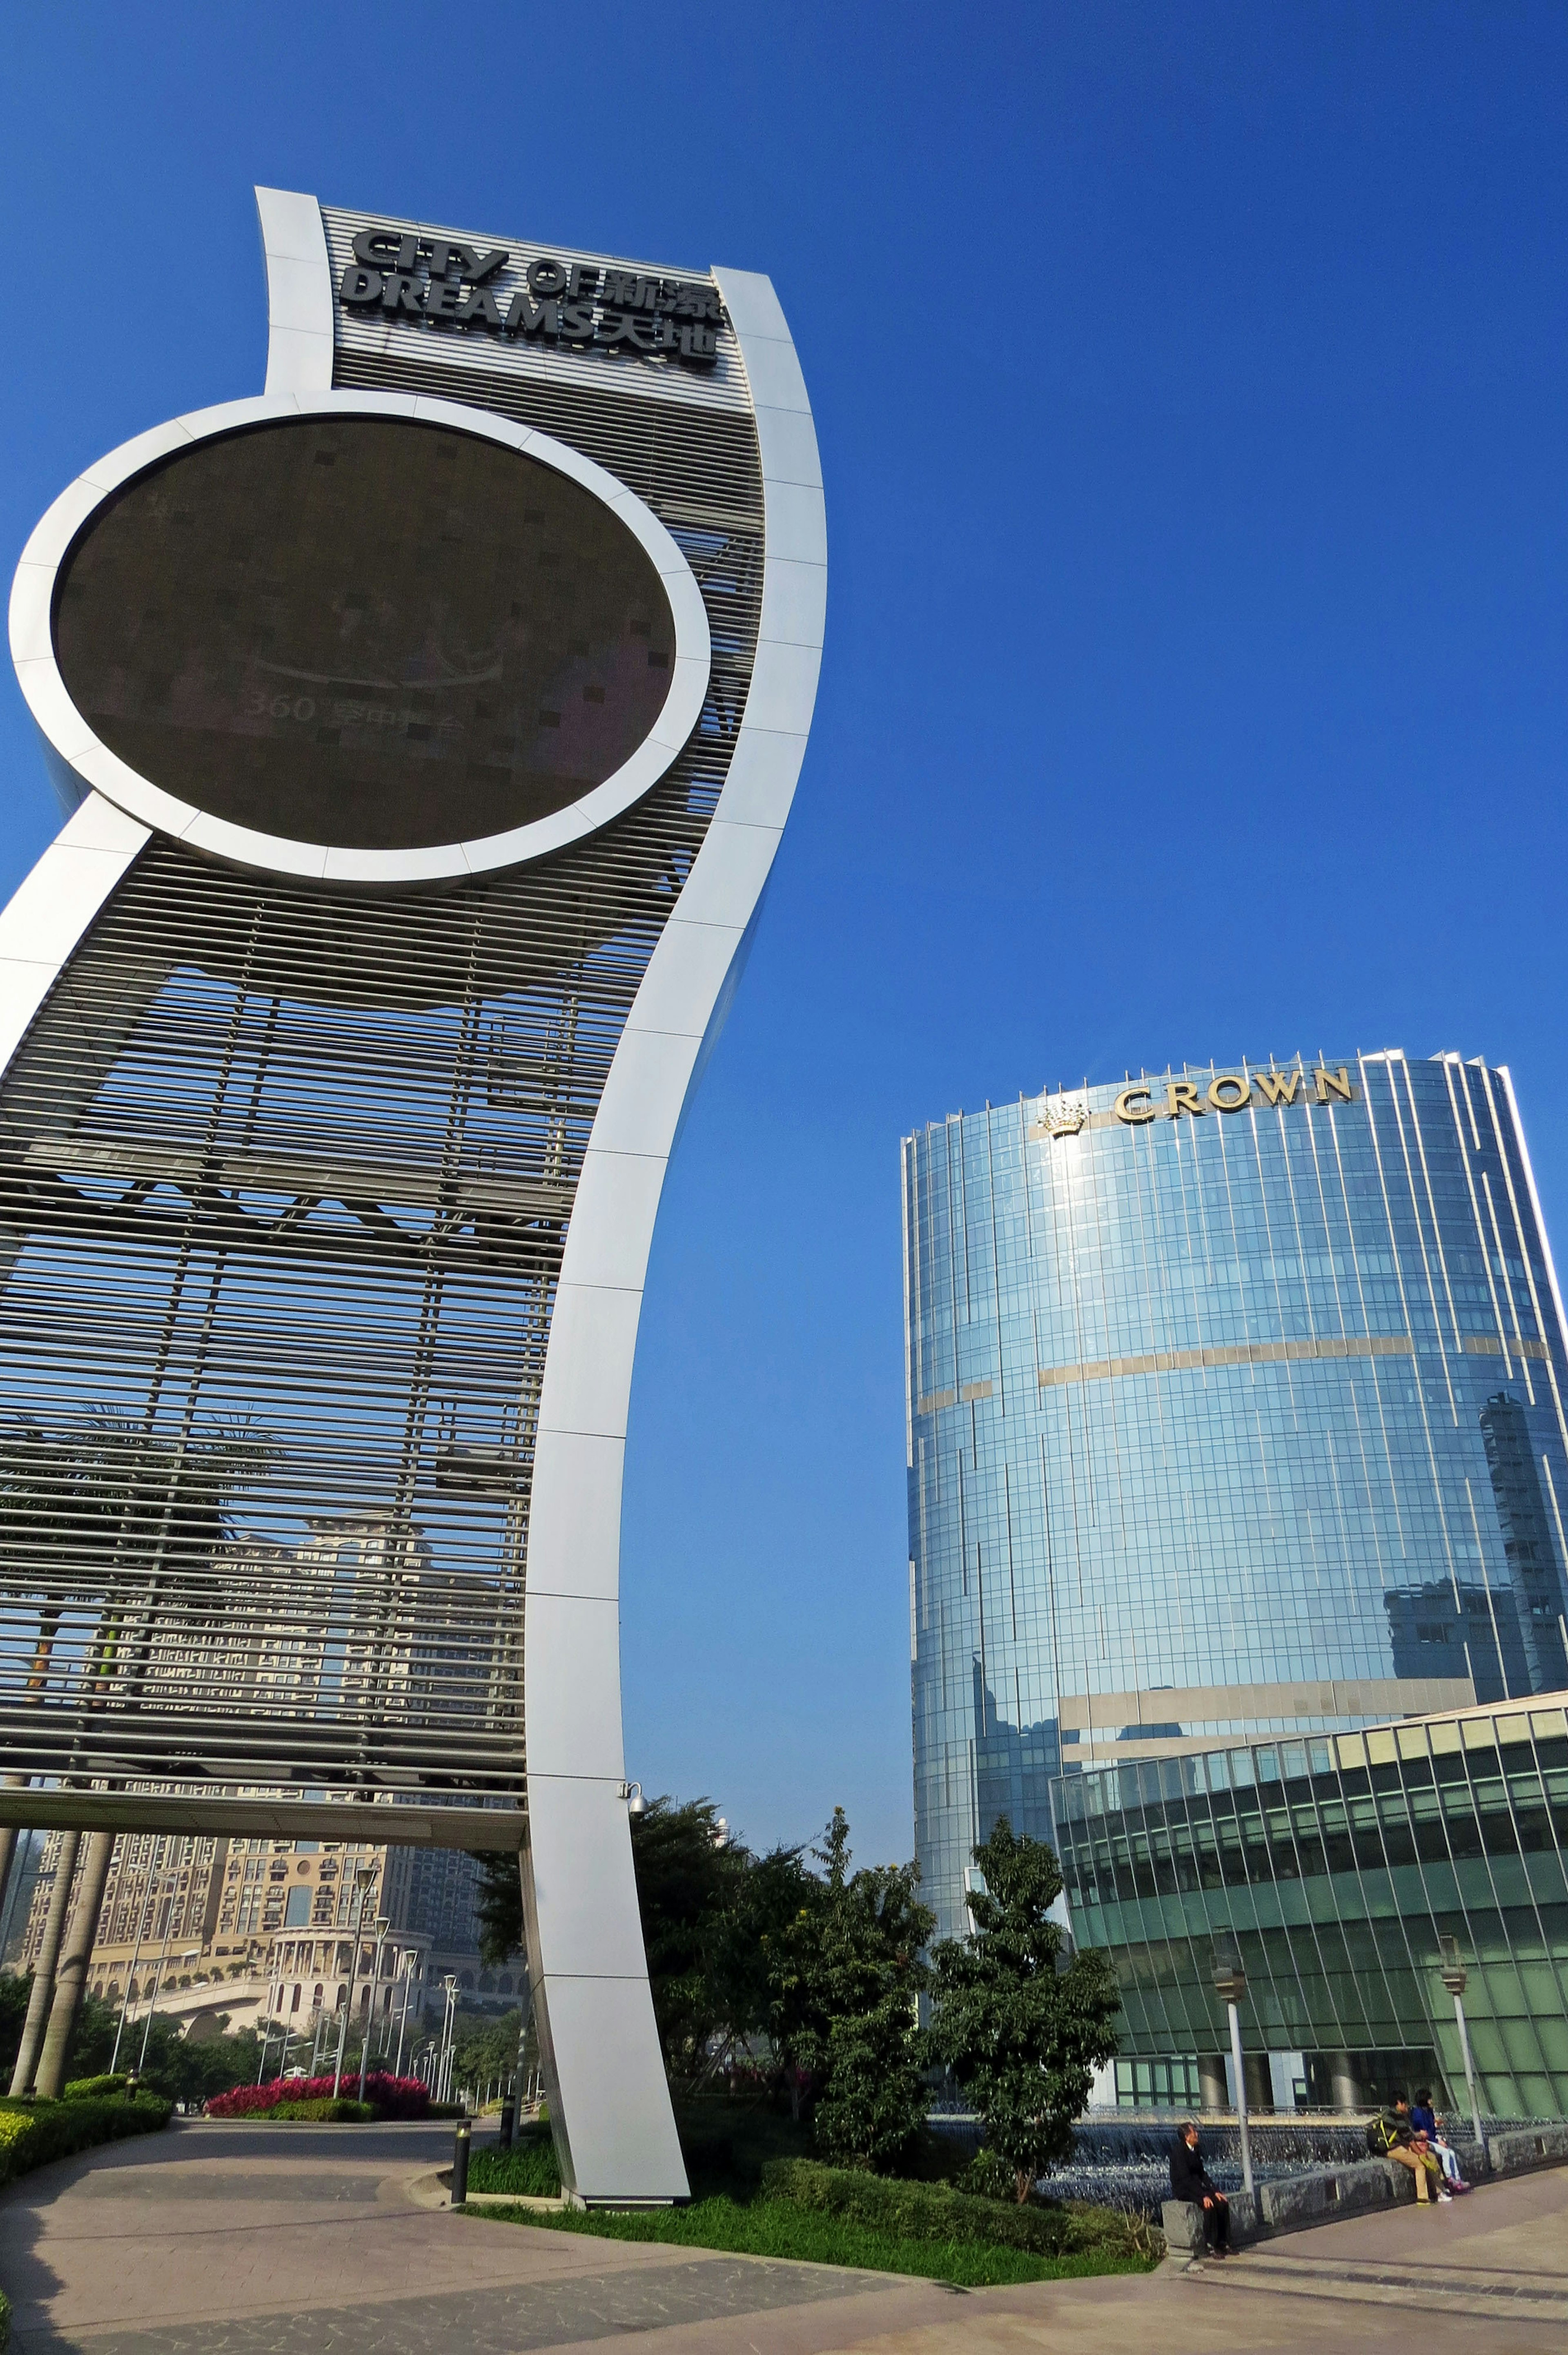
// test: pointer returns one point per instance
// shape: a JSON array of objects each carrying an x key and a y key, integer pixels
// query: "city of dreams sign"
[{"x": 433, "y": 282}]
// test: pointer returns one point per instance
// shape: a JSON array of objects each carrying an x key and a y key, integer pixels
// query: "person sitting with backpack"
[
  {"x": 1425, "y": 2120},
  {"x": 1190, "y": 2181},
  {"x": 1391, "y": 2135}
]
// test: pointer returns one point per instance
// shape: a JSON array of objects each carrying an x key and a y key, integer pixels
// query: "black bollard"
[
  {"x": 459, "y": 2165},
  {"x": 508, "y": 2121}
]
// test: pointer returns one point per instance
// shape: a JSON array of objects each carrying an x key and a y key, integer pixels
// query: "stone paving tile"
[
  {"x": 506, "y": 2320},
  {"x": 179, "y": 2187},
  {"x": 213, "y": 2241}
]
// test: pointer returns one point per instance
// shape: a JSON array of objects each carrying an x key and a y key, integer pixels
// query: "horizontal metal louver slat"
[{"x": 285, "y": 1179}]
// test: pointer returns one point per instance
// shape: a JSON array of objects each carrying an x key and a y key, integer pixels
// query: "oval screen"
[{"x": 364, "y": 631}]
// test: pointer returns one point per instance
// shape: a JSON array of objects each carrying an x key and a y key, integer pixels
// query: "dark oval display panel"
[{"x": 364, "y": 631}]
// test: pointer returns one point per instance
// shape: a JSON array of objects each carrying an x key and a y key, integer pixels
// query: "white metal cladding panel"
[{"x": 721, "y": 386}]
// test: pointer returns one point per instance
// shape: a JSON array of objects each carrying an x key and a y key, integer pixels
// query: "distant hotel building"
[
  {"x": 201, "y": 1928},
  {"x": 254, "y": 1927},
  {"x": 1235, "y": 1410}
]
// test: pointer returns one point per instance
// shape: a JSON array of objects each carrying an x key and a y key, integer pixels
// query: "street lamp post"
[
  {"x": 163, "y": 1958},
  {"x": 449, "y": 2038},
  {"x": 382, "y": 1925},
  {"x": 1455, "y": 1978},
  {"x": 408, "y": 1970},
  {"x": 1230, "y": 1986},
  {"x": 155, "y": 1877},
  {"x": 363, "y": 1875},
  {"x": 267, "y": 2028}
]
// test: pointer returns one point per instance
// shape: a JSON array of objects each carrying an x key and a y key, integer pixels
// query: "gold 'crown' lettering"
[{"x": 1230, "y": 1091}]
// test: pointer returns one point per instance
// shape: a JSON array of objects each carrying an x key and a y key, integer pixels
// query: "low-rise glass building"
[
  {"x": 1236, "y": 1416},
  {"x": 1337, "y": 1866}
]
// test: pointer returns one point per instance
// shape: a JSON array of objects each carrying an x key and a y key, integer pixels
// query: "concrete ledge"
[
  {"x": 433, "y": 2188},
  {"x": 1293, "y": 2203},
  {"x": 1540, "y": 2145}
]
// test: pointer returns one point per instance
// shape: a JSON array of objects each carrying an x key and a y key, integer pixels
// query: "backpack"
[{"x": 1381, "y": 2137}]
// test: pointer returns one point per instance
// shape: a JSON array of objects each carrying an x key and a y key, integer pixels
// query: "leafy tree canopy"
[
  {"x": 708, "y": 1906},
  {"x": 844, "y": 1973},
  {"x": 498, "y": 1907},
  {"x": 1022, "y": 2032},
  {"x": 179, "y": 2070},
  {"x": 486, "y": 2048}
]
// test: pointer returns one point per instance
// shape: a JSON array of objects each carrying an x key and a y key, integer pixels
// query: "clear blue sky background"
[{"x": 1190, "y": 387}]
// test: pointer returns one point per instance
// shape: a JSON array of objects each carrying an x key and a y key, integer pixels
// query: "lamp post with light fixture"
[
  {"x": 383, "y": 1924},
  {"x": 407, "y": 1966},
  {"x": 1230, "y": 1986},
  {"x": 449, "y": 2038},
  {"x": 362, "y": 1876},
  {"x": 1455, "y": 1978}
]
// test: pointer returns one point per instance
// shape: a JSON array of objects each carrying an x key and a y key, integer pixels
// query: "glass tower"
[{"x": 1235, "y": 1409}]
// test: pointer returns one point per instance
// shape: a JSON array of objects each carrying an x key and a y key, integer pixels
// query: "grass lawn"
[
  {"x": 782, "y": 2228},
  {"x": 728, "y": 2152}
]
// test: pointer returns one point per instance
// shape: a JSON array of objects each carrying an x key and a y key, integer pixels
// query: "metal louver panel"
[{"x": 285, "y": 1178}]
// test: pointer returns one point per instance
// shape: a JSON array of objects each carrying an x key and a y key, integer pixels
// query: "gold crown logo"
[{"x": 1066, "y": 1119}]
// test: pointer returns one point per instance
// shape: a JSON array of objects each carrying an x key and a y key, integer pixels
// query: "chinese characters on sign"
[{"x": 442, "y": 282}]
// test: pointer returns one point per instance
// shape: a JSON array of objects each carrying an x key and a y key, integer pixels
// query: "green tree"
[
  {"x": 15, "y": 1990},
  {"x": 844, "y": 1976},
  {"x": 184, "y": 2070},
  {"x": 180, "y": 2069},
  {"x": 498, "y": 1907},
  {"x": 1022, "y": 2032},
  {"x": 687, "y": 1873},
  {"x": 707, "y": 1908},
  {"x": 764, "y": 1896},
  {"x": 79, "y": 1497},
  {"x": 486, "y": 2047}
]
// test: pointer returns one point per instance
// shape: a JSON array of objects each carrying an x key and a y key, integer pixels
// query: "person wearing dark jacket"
[
  {"x": 1190, "y": 2181},
  {"x": 1391, "y": 2135}
]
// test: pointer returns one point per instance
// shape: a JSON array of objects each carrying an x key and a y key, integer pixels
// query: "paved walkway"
[{"x": 238, "y": 2240}]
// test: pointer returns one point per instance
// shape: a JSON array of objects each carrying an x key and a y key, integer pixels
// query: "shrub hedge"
[
  {"x": 385, "y": 2097},
  {"x": 935, "y": 2211},
  {"x": 325, "y": 2112},
  {"x": 91, "y": 2089},
  {"x": 33, "y": 2133}
]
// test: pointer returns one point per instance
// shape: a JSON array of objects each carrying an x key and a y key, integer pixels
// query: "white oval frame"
[{"x": 91, "y": 766}]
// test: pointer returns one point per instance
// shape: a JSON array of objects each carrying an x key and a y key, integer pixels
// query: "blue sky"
[{"x": 1191, "y": 386}]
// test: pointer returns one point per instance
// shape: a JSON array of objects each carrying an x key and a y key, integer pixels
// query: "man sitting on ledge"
[
  {"x": 1391, "y": 2135},
  {"x": 1190, "y": 2181}
]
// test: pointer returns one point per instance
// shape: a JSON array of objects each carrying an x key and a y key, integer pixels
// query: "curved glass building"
[{"x": 1235, "y": 1409}]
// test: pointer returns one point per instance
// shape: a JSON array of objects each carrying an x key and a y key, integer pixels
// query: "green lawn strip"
[
  {"x": 783, "y": 2228},
  {"x": 529, "y": 2168}
]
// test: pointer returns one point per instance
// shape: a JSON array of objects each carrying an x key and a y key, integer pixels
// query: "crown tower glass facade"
[{"x": 1235, "y": 1409}]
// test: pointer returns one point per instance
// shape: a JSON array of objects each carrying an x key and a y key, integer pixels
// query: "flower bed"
[{"x": 386, "y": 2097}]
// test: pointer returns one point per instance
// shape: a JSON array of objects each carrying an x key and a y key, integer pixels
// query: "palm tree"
[{"x": 98, "y": 1509}]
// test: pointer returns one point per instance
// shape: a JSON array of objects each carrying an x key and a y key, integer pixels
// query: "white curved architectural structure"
[{"x": 428, "y": 724}]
